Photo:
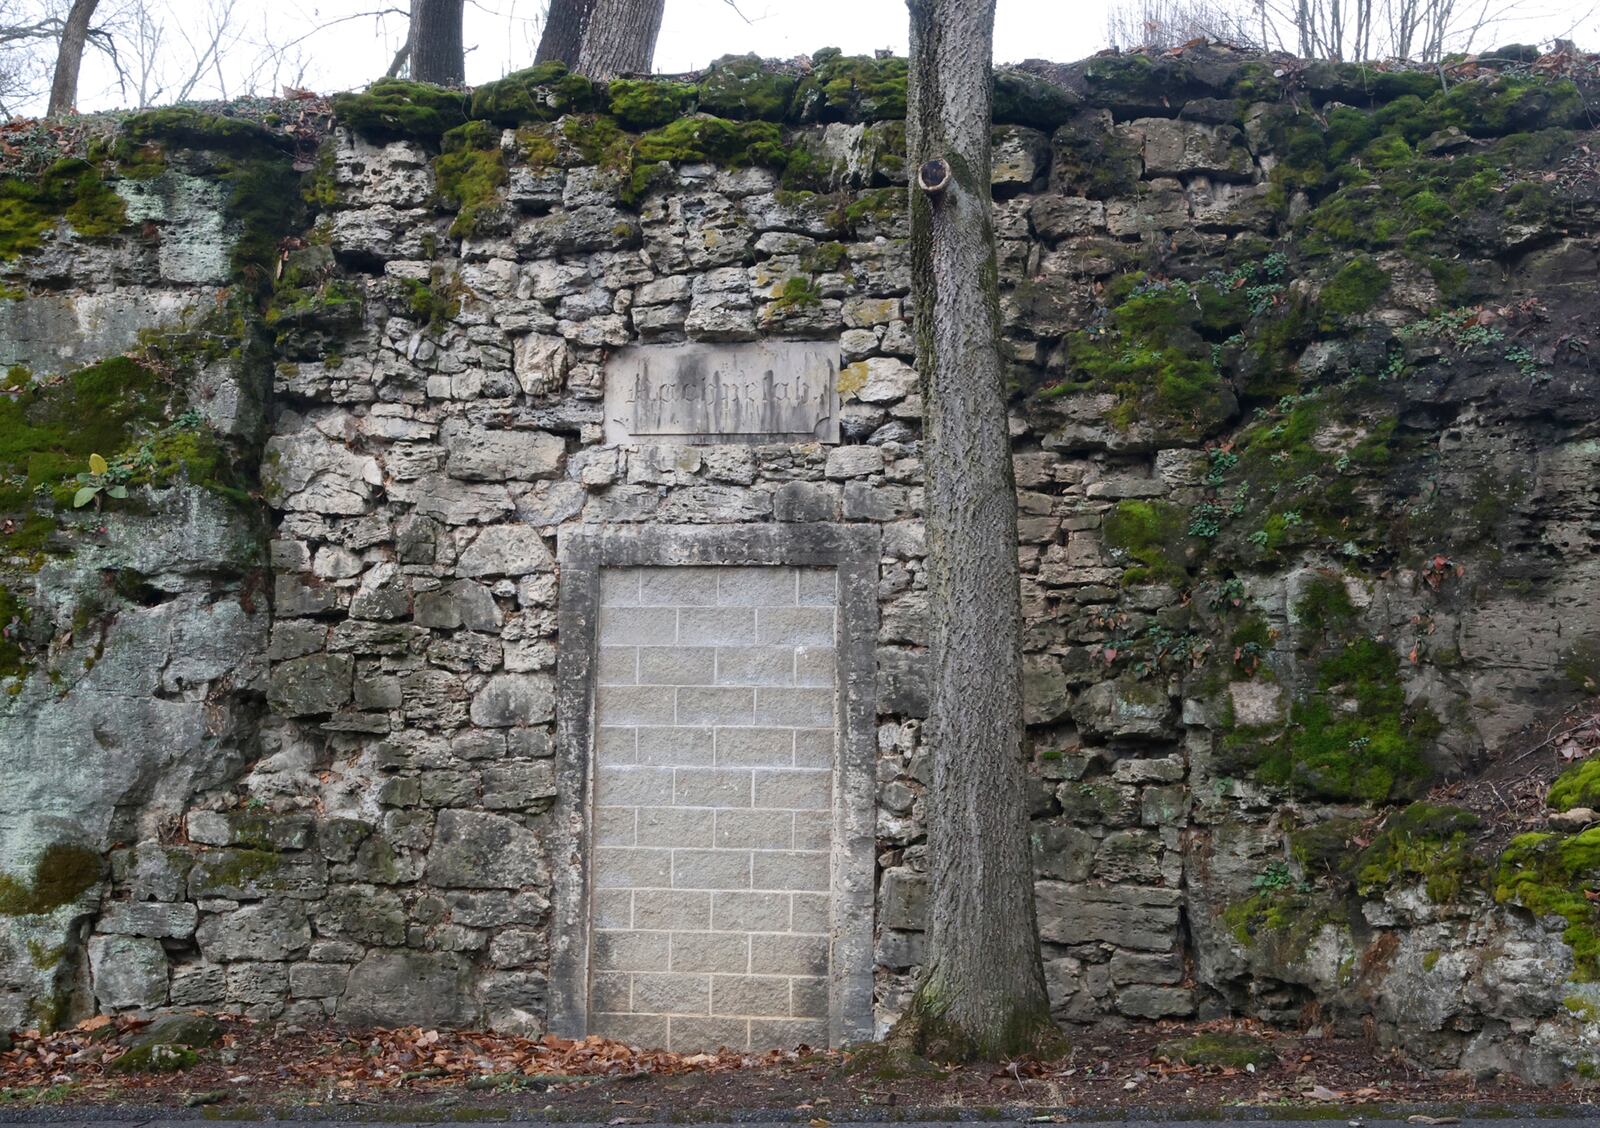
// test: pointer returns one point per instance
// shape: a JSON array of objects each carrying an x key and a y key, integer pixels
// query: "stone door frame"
[{"x": 855, "y": 551}]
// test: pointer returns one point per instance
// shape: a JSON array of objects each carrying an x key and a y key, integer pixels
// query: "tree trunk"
[
  {"x": 563, "y": 31},
  {"x": 74, "y": 37},
  {"x": 437, "y": 54},
  {"x": 620, "y": 38},
  {"x": 982, "y": 993}
]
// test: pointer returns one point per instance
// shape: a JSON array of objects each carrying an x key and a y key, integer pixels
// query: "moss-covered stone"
[
  {"x": 1578, "y": 786},
  {"x": 156, "y": 1057},
  {"x": 852, "y": 88},
  {"x": 1426, "y": 843},
  {"x": 702, "y": 137},
  {"x": 1558, "y": 875},
  {"x": 1217, "y": 1050},
  {"x": 1151, "y": 536},
  {"x": 470, "y": 173},
  {"x": 1021, "y": 98},
  {"x": 394, "y": 109},
  {"x": 1354, "y": 736},
  {"x": 70, "y": 189},
  {"x": 62, "y": 873},
  {"x": 189, "y": 128},
  {"x": 1091, "y": 160},
  {"x": 540, "y": 93},
  {"x": 1150, "y": 350},
  {"x": 743, "y": 88},
  {"x": 1353, "y": 291},
  {"x": 645, "y": 103}
]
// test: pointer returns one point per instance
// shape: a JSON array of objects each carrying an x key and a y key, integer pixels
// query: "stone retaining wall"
[{"x": 1297, "y": 543}]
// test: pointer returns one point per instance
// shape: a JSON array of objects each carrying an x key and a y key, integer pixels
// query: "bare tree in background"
[
  {"x": 1344, "y": 30},
  {"x": 69, "y": 56},
  {"x": 1162, "y": 24},
  {"x": 437, "y": 51}
]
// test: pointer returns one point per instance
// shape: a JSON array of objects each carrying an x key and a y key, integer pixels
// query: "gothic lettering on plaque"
[{"x": 702, "y": 393}]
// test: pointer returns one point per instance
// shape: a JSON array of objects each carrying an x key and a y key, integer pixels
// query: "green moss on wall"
[
  {"x": 1578, "y": 786},
  {"x": 1556, "y": 875},
  {"x": 540, "y": 93},
  {"x": 1324, "y": 606},
  {"x": 70, "y": 189},
  {"x": 1151, "y": 350},
  {"x": 470, "y": 173},
  {"x": 644, "y": 103},
  {"x": 852, "y": 88},
  {"x": 742, "y": 88},
  {"x": 701, "y": 137},
  {"x": 1426, "y": 843},
  {"x": 1354, "y": 736},
  {"x": 15, "y": 661},
  {"x": 1151, "y": 536},
  {"x": 62, "y": 873},
  {"x": 393, "y": 109},
  {"x": 189, "y": 128},
  {"x": 1354, "y": 290}
]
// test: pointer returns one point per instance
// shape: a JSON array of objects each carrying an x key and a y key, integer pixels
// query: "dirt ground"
[{"x": 256, "y": 1069}]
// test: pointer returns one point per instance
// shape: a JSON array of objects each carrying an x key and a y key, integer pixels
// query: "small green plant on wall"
[{"x": 101, "y": 478}]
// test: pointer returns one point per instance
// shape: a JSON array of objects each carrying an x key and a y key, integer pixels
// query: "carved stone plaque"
[{"x": 704, "y": 393}]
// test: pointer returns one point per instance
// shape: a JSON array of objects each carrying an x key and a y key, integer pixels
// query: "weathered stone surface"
[
  {"x": 483, "y": 851},
  {"x": 905, "y": 899},
  {"x": 128, "y": 971},
  {"x": 494, "y": 455},
  {"x": 1126, "y": 708},
  {"x": 161, "y": 921},
  {"x": 272, "y": 931},
  {"x": 688, "y": 392},
  {"x": 1141, "y": 919},
  {"x": 505, "y": 550},
  {"x": 514, "y": 699},
  {"x": 400, "y": 988},
  {"x": 318, "y": 684}
]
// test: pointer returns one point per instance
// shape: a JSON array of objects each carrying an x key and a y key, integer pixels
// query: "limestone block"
[
  {"x": 1062, "y": 852},
  {"x": 491, "y": 455},
  {"x": 320, "y": 683},
  {"x": 505, "y": 550},
  {"x": 854, "y": 462},
  {"x": 514, "y": 699},
  {"x": 273, "y": 930},
  {"x": 1173, "y": 147},
  {"x": 1126, "y": 707},
  {"x": 540, "y": 362},
  {"x": 1257, "y": 704},
  {"x": 1140, "y": 919},
  {"x": 877, "y": 380},
  {"x": 473, "y": 850},
  {"x": 903, "y": 899},
  {"x": 128, "y": 971},
  {"x": 362, "y": 913},
  {"x": 148, "y": 918},
  {"x": 1020, "y": 156}
]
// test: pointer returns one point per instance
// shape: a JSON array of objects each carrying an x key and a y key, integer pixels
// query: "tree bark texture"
[
  {"x": 562, "y": 36},
  {"x": 437, "y": 52},
  {"x": 982, "y": 993},
  {"x": 620, "y": 38},
  {"x": 69, "y": 59}
]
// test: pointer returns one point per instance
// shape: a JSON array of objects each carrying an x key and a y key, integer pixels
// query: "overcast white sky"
[{"x": 502, "y": 34}]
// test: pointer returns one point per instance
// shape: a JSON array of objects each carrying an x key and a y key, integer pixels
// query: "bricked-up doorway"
[{"x": 717, "y": 699}]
